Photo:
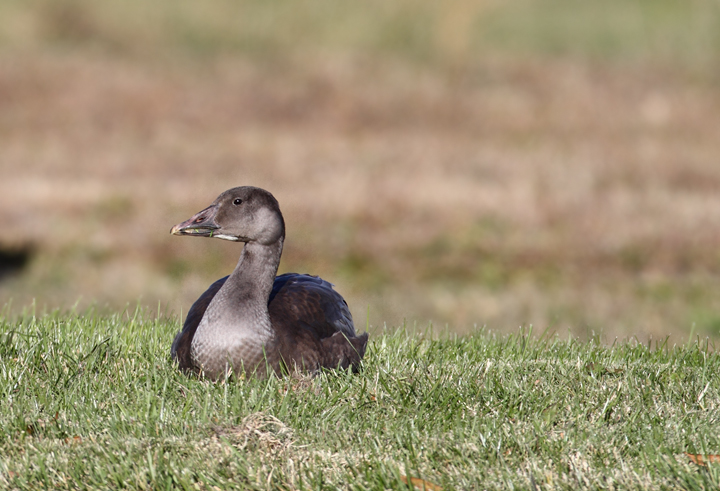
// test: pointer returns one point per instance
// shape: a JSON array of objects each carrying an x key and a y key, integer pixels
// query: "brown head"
[{"x": 242, "y": 214}]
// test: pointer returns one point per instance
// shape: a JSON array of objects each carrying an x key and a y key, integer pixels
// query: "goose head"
[{"x": 242, "y": 214}]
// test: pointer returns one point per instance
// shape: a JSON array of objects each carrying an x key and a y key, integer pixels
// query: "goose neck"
[{"x": 255, "y": 272}]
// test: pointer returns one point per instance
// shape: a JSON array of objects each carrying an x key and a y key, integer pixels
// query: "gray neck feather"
[
  {"x": 242, "y": 301},
  {"x": 236, "y": 325}
]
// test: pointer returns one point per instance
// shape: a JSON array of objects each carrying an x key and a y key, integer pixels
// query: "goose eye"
[{"x": 237, "y": 201}]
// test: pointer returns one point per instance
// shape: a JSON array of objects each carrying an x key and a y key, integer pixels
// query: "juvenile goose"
[{"x": 251, "y": 320}]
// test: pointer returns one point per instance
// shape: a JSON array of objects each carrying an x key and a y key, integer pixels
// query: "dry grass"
[{"x": 562, "y": 191}]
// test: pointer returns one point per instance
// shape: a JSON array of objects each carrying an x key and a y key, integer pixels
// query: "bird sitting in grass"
[{"x": 251, "y": 321}]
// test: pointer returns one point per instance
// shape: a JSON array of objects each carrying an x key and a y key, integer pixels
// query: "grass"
[{"x": 93, "y": 402}]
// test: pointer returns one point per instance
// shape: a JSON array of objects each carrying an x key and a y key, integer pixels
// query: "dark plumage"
[{"x": 251, "y": 320}]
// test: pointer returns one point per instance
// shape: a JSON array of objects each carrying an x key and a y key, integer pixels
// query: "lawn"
[{"x": 92, "y": 401}]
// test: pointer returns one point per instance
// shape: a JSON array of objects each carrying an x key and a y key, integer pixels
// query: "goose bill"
[
  {"x": 194, "y": 231},
  {"x": 200, "y": 225}
]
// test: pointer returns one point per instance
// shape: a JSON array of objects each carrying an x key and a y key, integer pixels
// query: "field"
[
  {"x": 93, "y": 402},
  {"x": 459, "y": 164}
]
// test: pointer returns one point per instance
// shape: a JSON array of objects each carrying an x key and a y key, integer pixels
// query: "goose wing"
[
  {"x": 310, "y": 302},
  {"x": 313, "y": 324}
]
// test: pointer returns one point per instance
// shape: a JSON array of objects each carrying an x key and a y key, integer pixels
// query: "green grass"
[{"x": 93, "y": 402}]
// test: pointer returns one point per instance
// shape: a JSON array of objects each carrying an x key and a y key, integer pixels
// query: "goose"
[{"x": 252, "y": 322}]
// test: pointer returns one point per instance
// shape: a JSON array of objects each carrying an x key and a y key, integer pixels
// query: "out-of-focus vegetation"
[
  {"x": 502, "y": 163},
  {"x": 457, "y": 30}
]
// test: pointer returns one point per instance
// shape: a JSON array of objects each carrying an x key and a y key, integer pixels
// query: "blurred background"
[{"x": 461, "y": 163}]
